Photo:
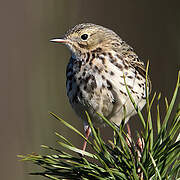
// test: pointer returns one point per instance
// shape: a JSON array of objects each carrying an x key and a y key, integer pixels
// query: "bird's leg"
[
  {"x": 87, "y": 132},
  {"x": 140, "y": 148},
  {"x": 129, "y": 130},
  {"x": 128, "y": 138}
]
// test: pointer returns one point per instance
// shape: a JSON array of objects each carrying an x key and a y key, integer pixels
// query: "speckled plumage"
[{"x": 95, "y": 72}]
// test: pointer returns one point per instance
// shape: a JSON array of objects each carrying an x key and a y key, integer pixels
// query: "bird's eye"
[{"x": 84, "y": 37}]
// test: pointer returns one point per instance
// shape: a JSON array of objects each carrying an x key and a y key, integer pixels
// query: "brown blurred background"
[{"x": 32, "y": 71}]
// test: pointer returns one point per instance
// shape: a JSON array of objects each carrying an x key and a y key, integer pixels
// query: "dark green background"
[{"x": 32, "y": 70}]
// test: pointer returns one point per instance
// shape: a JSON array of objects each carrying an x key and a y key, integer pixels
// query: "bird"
[{"x": 101, "y": 68}]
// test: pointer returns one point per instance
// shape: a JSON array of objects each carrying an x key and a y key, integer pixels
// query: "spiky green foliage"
[{"x": 155, "y": 157}]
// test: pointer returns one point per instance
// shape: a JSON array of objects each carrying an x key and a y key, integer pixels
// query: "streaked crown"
[{"x": 87, "y": 36}]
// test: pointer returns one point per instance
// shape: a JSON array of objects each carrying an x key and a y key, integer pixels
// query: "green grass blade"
[
  {"x": 51, "y": 177},
  {"x": 149, "y": 109},
  {"x": 70, "y": 126},
  {"x": 175, "y": 126},
  {"x": 109, "y": 123},
  {"x": 64, "y": 139},
  {"x": 152, "y": 101},
  {"x": 143, "y": 169},
  {"x": 166, "y": 103},
  {"x": 119, "y": 134},
  {"x": 92, "y": 129},
  {"x": 155, "y": 166},
  {"x": 158, "y": 115},
  {"x": 172, "y": 103},
  {"x": 77, "y": 150},
  {"x": 135, "y": 105}
]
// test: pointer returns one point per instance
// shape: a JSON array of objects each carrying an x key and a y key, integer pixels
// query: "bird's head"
[{"x": 86, "y": 37}]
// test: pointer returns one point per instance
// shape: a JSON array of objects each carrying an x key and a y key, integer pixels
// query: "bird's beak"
[{"x": 64, "y": 41}]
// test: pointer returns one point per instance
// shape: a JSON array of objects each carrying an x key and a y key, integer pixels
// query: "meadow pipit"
[{"x": 99, "y": 61}]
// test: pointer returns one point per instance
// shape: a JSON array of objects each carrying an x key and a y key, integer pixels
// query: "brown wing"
[
  {"x": 139, "y": 66},
  {"x": 127, "y": 52}
]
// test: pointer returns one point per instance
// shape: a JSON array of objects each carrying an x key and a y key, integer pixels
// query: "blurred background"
[{"x": 32, "y": 71}]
